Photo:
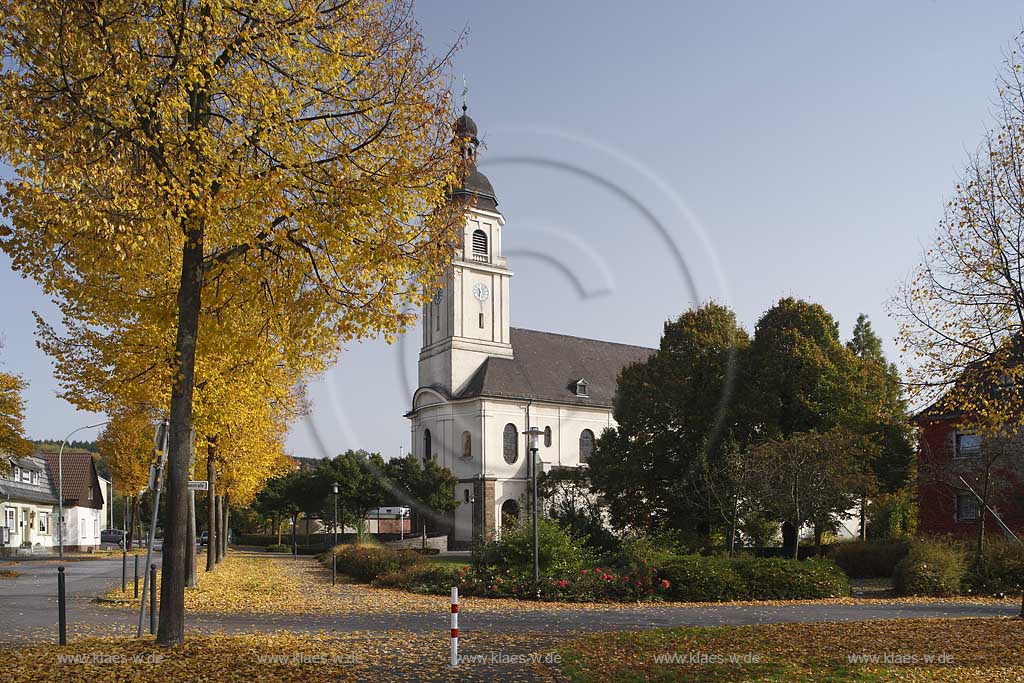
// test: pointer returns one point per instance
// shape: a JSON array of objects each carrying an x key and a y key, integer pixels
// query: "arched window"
[
  {"x": 586, "y": 445},
  {"x": 465, "y": 496},
  {"x": 426, "y": 444},
  {"x": 510, "y": 443},
  {"x": 509, "y": 514},
  {"x": 547, "y": 437},
  {"x": 479, "y": 245},
  {"x": 467, "y": 445}
]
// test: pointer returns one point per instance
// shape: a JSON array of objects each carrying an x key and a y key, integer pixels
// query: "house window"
[
  {"x": 90, "y": 493},
  {"x": 95, "y": 527},
  {"x": 586, "y": 445},
  {"x": 26, "y": 476},
  {"x": 44, "y": 522},
  {"x": 966, "y": 508},
  {"x": 967, "y": 445},
  {"x": 426, "y": 444},
  {"x": 547, "y": 437},
  {"x": 467, "y": 445},
  {"x": 35, "y": 477},
  {"x": 581, "y": 387},
  {"x": 510, "y": 443},
  {"x": 479, "y": 245}
]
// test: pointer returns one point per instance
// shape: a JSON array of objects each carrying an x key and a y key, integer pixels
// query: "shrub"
[
  {"x": 698, "y": 578},
  {"x": 931, "y": 567},
  {"x": 367, "y": 562},
  {"x": 278, "y": 548},
  {"x": 695, "y": 578},
  {"x": 560, "y": 552},
  {"x": 1002, "y": 570},
  {"x": 651, "y": 550},
  {"x": 597, "y": 584},
  {"x": 430, "y": 578},
  {"x": 779, "y": 579},
  {"x": 869, "y": 559}
]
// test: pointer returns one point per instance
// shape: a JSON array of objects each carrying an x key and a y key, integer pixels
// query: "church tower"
[{"x": 468, "y": 319}]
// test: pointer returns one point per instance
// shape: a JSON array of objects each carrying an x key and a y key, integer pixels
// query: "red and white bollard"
[{"x": 455, "y": 627}]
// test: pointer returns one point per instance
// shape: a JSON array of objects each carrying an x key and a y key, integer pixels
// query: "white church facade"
[{"x": 483, "y": 383}]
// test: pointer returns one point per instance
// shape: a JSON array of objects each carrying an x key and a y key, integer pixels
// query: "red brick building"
[{"x": 946, "y": 453}]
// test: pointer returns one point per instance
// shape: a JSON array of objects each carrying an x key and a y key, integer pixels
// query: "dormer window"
[
  {"x": 581, "y": 387},
  {"x": 479, "y": 245}
]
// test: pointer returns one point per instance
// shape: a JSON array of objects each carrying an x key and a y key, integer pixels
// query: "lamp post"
[
  {"x": 335, "y": 490},
  {"x": 533, "y": 433},
  {"x": 60, "y": 483}
]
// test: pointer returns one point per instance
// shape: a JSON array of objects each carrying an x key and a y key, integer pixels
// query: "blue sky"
[{"x": 648, "y": 156}]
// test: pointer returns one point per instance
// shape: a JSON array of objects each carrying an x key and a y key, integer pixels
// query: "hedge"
[
  {"x": 869, "y": 559},
  {"x": 933, "y": 567},
  {"x": 367, "y": 562},
  {"x": 696, "y": 578}
]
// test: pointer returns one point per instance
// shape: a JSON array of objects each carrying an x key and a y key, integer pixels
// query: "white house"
[
  {"x": 83, "y": 497},
  {"x": 28, "y": 506},
  {"x": 482, "y": 382}
]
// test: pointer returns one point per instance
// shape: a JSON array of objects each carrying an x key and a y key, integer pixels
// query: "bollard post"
[
  {"x": 334, "y": 569},
  {"x": 152, "y": 599},
  {"x": 136, "y": 577},
  {"x": 62, "y": 606},
  {"x": 124, "y": 569},
  {"x": 455, "y": 627}
]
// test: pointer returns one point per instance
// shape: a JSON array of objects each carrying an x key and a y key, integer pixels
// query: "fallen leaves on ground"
[
  {"x": 282, "y": 656},
  {"x": 909, "y": 650}
]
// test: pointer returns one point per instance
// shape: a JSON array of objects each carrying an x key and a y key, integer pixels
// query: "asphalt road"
[{"x": 28, "y": 602}]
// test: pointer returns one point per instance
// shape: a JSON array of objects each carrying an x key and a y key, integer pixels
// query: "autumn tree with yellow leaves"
[
  {"x": 962, "y": 312},
  {"x": 12, "y": 420},
  {"x": 289, "y": 160}
]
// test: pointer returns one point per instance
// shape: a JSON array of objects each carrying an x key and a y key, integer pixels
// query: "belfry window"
[{"x": 479, "y": 245}]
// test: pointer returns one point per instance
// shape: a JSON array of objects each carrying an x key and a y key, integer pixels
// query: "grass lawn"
[{"x": 904, "y": 650}]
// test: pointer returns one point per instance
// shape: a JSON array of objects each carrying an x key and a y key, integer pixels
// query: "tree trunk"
[
  {"x": 211, "y": 514},
  {"x": 172, "y": 585},
  {"x": 129, "y": 524},
  {"x": 790, "y": 540},
  {"x": 295, "y": 523},
  {"x": 219, "y": 523},
  {"x": 225, "y": 526},
  {"x": 190, "y": 547},
  {"x": 277, "y": 523},
  {"x": 817, "y": 540},
  {"x": 863, "y": 518}
]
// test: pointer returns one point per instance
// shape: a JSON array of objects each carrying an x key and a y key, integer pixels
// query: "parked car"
[
  {"x": 115, "y": 536},
  {"x": 204, "y": 538}
]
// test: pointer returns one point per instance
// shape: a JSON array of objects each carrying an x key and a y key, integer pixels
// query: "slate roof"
[
  {"x": 79, "y": 471},
  {"x": 547, "y": 366},
  {"x": 20, "y": 491}
]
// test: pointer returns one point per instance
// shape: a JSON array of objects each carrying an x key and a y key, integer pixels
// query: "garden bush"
[
  {"x": 932, "y": 567},
  {"x": 367, "y": 562},
  {"x": 697, "y": 578},
  {"x": 278, "y": 548},
  {"x": 1001, "y": 572},
  {"x": 869, "y": 559},
  {"x": 432, "y": 578},
  {"x": 512, "y": 553}
]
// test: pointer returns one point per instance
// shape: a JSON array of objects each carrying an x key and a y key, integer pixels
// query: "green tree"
[
  {"x": 427, "y": 488},
  {"x": 810, "y": 477},
  {"x": 678, "y": 415}
]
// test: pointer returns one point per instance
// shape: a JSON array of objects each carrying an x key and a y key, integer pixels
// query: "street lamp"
[
  {"x": 534, "y": 440},
  {"x": 60, "y": 483},
  {"x": 335, "y": 489}
]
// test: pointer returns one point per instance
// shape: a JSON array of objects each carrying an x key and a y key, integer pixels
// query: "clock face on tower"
[{"x": 480, "y": 291}]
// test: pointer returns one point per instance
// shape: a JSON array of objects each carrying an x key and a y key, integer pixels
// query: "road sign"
[{"x": 199, "y": 485}]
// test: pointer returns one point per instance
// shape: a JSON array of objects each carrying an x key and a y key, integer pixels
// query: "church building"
[{"x": 483, "y": 382}]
